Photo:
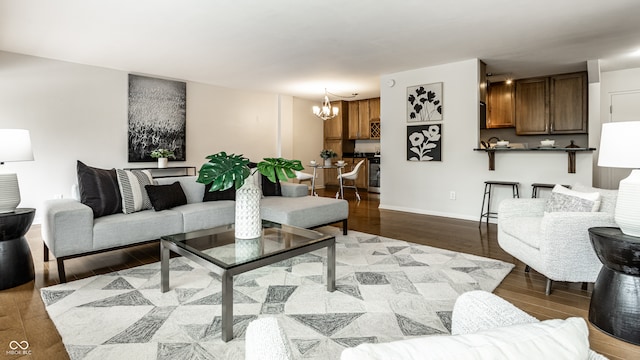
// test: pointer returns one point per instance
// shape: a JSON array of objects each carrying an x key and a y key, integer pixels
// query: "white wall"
[
  {"x": 77, "y": 112},
  {"x": 612, "y": 82},
  {"x": 424, "y": 187},
  {"x": 308, "y": 133}
]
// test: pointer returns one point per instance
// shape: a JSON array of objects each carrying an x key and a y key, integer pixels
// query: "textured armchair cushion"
[
  {"x": 99, "y": 190},
  {"x": 550, "y": 339},
  {"x": 164, "y": 197},
  {"x": 134, "y": 195},
  {"x": 563, "y": 199}
]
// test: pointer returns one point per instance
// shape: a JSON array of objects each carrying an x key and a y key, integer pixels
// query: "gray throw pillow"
[
  {"x": 566, "y": 200},
  {"x": 134, "y": 195}
]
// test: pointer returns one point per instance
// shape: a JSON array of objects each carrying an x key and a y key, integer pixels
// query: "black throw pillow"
[
  {"x": 166, "y": 196},
  {"x": 229, "y": 194},
  {"x": 99, "y": 190},
  {"x": 268, "y": 188}
]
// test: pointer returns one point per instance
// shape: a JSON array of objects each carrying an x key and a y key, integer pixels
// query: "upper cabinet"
[
  {"x": 337, "y": 127},
  {"x": 532, "y": 106},
  {"x": 362, "y": 114},
  {"x": 569, "y": 103},
  {"x": 552, "y": 105},
  {"x": 501, "y": 105}
]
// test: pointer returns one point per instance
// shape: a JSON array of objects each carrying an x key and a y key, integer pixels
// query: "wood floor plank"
[{"x": 22, "y": 312}]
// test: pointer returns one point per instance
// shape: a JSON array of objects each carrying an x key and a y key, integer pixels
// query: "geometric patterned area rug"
[{"x": 385, "y": 290}]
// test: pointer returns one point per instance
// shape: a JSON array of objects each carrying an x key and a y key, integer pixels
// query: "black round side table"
[
  {"x": 615, "y": 301},
  {"x": 16, "y": 264}
]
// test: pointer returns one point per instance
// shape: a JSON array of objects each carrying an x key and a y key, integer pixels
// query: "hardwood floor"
[{"x": 23, "y": 316}]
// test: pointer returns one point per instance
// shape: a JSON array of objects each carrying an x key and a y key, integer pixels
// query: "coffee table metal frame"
[{"x": 228, "y": 271}]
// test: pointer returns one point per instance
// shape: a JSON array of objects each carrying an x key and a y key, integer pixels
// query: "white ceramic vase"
[
  {"x": 248, "y": 223},
  {"x": 247, "y": 249},
  {"x": 162, "y": 163},
  {"x": 327, "y": 162}
]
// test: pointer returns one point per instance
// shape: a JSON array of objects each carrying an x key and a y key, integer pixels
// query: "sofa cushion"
[
  {"x": 134, "y": 195},
  {"x": 563, "y": 199},
  {"x": 99, "y": 190},
  {"x": 164, "y": 197},
  {"x": 305, "y": 211},
  {"x": 127, "y": 229},
  {"x": 550, "y": 339},
  {"x": 527, "y": 229},
  {"x": 206, "y": 215}
]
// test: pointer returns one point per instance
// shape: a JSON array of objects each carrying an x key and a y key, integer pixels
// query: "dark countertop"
[
  {"x": 563, "y": 149},
  {"x": 360, "y": 155}
]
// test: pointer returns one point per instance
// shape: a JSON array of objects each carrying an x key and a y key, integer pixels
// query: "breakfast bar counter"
[{"x": 571, "y": 153}]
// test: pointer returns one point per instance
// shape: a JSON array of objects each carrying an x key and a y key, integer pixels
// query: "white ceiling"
[{"x": 299, "y": 47}]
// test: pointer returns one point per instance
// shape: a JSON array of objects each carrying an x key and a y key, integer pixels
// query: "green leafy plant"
[
  {"x": 327, "y": 154},
  {"x": 162, "y": 153},
  {"x": 226, "y": 170}
]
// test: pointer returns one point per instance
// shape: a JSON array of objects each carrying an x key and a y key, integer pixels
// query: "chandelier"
[{"x": 325, "y": 112}]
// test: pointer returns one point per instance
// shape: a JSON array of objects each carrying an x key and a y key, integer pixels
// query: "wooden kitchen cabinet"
[
  {"x": 361, "y": 114},
  {"x": 501, "y": 105},
  {"x": 336, "y": 128},
  {"x": 532, "y": 106},
  {"x": 568, "y": 104},
  {"x": 552, "y": 105},
  {"x": 331, "y": 175}
]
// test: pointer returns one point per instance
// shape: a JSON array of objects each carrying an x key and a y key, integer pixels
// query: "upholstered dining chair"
[
  {"x": 302, "y": 176},
  {"x": 352, "y": 176}
]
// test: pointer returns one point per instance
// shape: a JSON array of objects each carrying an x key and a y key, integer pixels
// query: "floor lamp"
[
  {"x": 15, "y": 145},
  {"x": 619, "y": 149}
]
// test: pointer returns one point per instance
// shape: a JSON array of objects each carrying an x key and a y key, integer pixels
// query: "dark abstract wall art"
[
  {"x": 424, "y": 142},
  {"x": 424, "y": 102},
  {"x": 157, "y": 117}
]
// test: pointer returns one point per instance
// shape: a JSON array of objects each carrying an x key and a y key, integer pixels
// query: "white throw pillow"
[
  {"x": 563, "y": 199},
  {"x": 551, "y": 339}
]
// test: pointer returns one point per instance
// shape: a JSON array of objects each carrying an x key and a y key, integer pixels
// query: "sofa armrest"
[
  {"x": 480, "y": 310},
  {"x": 294, "y": 190},
  {"x": 265, "y": 339},
  {"x": 517, "y": 207},
  {"x": 67, "y": 227}
]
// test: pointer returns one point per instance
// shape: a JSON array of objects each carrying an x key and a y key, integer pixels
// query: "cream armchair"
[{"x": 555, "y": 244}]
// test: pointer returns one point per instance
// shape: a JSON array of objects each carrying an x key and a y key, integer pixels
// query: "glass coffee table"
[{"x": 218, "y": 250}]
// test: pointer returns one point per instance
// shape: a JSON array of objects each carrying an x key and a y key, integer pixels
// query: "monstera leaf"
[{"x": 226, "y": 170}]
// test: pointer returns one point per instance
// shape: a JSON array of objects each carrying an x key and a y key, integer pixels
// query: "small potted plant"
[
  {"x": 327, "y": 155},
  {"x": 163, "y": 156},
  {"x": 224, "y": 170}
]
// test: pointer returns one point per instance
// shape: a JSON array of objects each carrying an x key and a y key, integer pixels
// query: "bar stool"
[
  {"x": 488, "y": 188},
  {"x": 536, "y": 186}
]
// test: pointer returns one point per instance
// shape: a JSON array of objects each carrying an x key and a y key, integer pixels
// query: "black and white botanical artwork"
[
  {"x": 424, "y": 142},
  {"x": 424, "y": 102},
  {"x": 157, "y": 117}
]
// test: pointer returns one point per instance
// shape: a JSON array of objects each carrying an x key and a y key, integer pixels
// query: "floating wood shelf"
[{"x": 571, "y": 154}]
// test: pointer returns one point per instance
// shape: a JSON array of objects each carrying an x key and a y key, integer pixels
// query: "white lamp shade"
[
  {"x": 619, "y": 149},
  {"x": 619, "y": 145},
  {"x": 15, "y": 145}
]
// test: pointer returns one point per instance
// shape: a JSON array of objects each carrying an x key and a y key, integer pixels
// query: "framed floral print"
[
  {"x": 424, "y": 142},
  {"x": 424, "y": 103}
]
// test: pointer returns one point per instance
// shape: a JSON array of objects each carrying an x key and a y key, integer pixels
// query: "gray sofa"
[{"x": 70, "y": 230}]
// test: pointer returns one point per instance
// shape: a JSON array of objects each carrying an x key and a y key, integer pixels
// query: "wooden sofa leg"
[
  {"x": 526, "y": 268},
  {"x": 61, "y": 274},
  {"x": 344, "y": 227},
  {"x": 46, "y": 251},
  {"x": 585, "y": 285},
  {"x": 548, "y": 289}
]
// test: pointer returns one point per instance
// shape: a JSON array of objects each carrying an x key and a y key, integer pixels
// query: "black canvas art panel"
[
  {"x": 424, "y": 142},
  {"x": 157, "y": 117}
]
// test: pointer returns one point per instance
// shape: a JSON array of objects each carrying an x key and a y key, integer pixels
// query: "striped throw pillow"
[{"x": 134, "y": 195}]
